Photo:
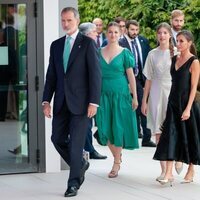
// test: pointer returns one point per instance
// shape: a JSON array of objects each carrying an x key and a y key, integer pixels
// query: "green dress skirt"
[{"x": 116, "y": 120}]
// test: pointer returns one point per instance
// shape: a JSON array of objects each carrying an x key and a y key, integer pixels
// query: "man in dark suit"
[
  {"x": 122, "y": 25},
  {"x": 140, "y": 48},
  {"x": 74, "y": 77},
  {"x": 100, "y": 34},
  {"x": 89, "y": 29}
]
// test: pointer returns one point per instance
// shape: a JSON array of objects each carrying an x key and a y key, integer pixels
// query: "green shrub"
[{"x": 148, "y": 12}]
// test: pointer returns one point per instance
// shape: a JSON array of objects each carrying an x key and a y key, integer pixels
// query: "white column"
[{"x": 51, "y": 33}]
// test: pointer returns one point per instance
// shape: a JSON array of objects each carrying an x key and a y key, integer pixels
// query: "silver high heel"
[
  {"x": 166, "y": 181},
  {"x": 178, "y": 169},
  {"x": 161, "y": 177},
  {"x": 187, "y": 181}
]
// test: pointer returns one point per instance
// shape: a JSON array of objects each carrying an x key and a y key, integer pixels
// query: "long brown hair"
[{"x": 168, "y": 28}]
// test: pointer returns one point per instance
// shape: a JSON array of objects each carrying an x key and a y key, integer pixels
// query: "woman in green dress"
[{"x": 116, "y": 119}]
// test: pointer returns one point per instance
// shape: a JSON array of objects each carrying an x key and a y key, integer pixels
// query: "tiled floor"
[{"x": 136, "y": 181}]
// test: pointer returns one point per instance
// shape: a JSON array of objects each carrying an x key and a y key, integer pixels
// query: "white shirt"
[
  {"x": 138, "y": 44},
  {"x": 73, "y": 38},
  {"x": 174, "y": 33},
  {"x": 100, "y": 39}
]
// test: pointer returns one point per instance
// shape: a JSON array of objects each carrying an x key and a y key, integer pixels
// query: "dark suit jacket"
[
  {"x": 104, "y": 40},
  {"x": 81, "y": 84},
  {"x": 10, "y": 37},
  {"x": 144, "y": 43}
]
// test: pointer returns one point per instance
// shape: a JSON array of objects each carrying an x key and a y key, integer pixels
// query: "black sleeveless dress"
[{"x": 180, "y": 140}]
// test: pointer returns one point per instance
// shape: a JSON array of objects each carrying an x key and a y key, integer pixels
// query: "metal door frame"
[{"x": 35, "y": 74}]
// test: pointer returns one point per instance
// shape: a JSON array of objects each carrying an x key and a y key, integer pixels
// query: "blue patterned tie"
[
  {"x": 135, "y": 53},
  {"x": 66, "y": 52}
]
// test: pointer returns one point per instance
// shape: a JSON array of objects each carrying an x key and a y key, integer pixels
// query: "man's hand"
[
  {"x": 47, "y": 110},
  {"x": 92, "y": 110}
]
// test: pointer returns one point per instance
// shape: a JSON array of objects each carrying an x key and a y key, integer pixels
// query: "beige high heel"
[
  {"x": 187, "y": 181},
  {"x": 161, "y": 177},
  {"x": 166, "y": 181},
  {"x": 114, "y": 172},
  {"x": 187, "y": 178}
]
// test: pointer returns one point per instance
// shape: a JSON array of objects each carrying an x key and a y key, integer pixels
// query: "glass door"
[{"x": 18, "y": 115}]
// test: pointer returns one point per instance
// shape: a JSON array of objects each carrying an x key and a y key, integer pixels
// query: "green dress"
[{"x": 116, "y": 120}]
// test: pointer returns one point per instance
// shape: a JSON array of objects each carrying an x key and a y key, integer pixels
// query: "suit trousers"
[
  {"x": 68, "y": 136},
  {"x": 141, "y": 119},
  {"x": 88, "y": 142}
]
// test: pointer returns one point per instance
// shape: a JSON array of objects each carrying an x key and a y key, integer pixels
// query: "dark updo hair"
[
  {"x": 189, "y": 37},
  {"x": 168, "y": 28},
  {"x": 112, "y": 24}
]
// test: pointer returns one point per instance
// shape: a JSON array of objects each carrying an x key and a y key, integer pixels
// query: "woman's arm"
[
  {"x": 147, "y": 88},
  {"x": 132, "y": 83},
  {"x": 195, "y": 71}
]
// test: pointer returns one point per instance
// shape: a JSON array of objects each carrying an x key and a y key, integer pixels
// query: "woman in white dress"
[{"x": 158, "y": 83}]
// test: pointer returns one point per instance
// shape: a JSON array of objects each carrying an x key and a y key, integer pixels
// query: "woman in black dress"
[{"x": 180, "y": 139}]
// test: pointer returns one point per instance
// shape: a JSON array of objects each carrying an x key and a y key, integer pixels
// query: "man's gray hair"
[
  {"x": 67, "y": 9},
  {"x": 86, "y": 27}
]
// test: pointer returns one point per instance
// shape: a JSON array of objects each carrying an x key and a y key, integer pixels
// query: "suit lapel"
[
  {"x": 60, "y": 50},
  {"x": 76, "y": 48},
  {"x": 127, "y": 44}
]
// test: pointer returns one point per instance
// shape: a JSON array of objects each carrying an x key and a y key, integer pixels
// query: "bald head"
[{"x": 99, "y": 24}]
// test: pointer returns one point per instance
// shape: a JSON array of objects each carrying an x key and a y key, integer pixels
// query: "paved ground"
[{"x": 136, "y": 181}]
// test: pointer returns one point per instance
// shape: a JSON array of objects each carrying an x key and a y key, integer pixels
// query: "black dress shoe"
[
  {"x": 16, "y": 150},
  {"x": 83, "y": 170},
  {"x": 140, "y": 135},
  {"x": 148, "y": 144},
  {"x": 96, "y": 136},
  {"x": 96, "y": 155},
  {"x": 71, "y": 191}
]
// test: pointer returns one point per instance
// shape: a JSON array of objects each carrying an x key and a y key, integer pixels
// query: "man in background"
[
  {"x": 140, "y": 48},
  {"x": 177, "y": 23},
  {"x": 122, "y": 25},
  {"x": 100, "y": 34},
  {"x": 89, "y": 29}
]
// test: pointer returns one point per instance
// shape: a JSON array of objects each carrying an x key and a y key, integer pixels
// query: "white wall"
[{"x": 52, "y": 31}]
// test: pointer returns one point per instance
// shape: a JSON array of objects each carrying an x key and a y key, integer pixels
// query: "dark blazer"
[
  {"x": 81, "y": 84},
  {"x": 103, "y": 36},
  {"x": 104, "y": 40},
  {"x": 144, "y": 43}
]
